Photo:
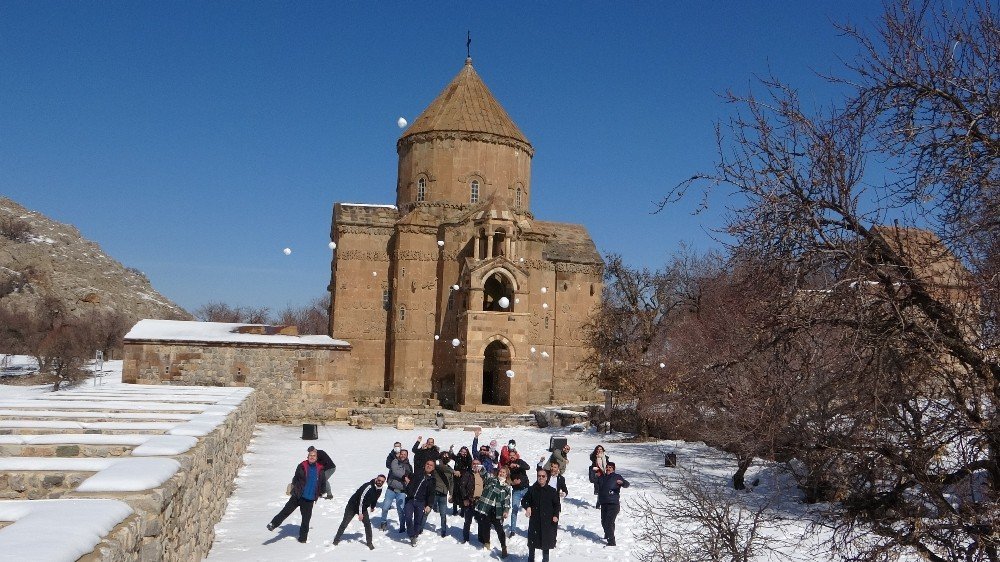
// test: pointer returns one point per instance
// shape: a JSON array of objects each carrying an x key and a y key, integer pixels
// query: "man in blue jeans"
[
  {"x": 519, "y": 484},
  {"x": 419, "y": 496},
  {"x": 307, "y": 485},
  {"x": 400, "y": 471}
]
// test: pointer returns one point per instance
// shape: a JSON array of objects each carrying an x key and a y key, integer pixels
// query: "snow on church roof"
[{"x": 219, "y": 332}]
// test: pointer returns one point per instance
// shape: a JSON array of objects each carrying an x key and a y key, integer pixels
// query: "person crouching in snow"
[
  {"x": 542, "y": 506},
  {"x": 365, "y": 498},
  {"x": 609, "y": 487},
  {"x": 493, "y": 508},
  {"x": 307, "y": 483}
]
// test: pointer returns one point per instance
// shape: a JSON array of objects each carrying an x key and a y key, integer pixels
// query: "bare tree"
[
  {"x": 901, "y": 341},
  {"x": 699, "y": 522},
  {"x": 627, "y": 335},
  {"x": 313, "y": 318}
]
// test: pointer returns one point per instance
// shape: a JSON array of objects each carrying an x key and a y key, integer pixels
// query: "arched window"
[
  {"x": 517, "y": 198},
  {"x": 421, "y": 189},
  {"x": 495, "y": 288},
  {"x": 402, "y": 313},
  {"x": 474, "y": 192}
]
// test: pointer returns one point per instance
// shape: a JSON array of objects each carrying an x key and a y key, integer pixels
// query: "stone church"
[{"x": 457, "y": 292}]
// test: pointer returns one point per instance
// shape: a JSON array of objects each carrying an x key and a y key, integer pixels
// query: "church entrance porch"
[
  {"x": 482, "y": 382},
  {"x": 496, "y": 384}
]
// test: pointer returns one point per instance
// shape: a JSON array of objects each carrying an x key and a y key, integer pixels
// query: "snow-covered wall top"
[{"x": 220, "y": 332}]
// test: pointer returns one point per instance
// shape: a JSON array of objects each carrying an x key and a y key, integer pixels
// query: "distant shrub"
[
  {"x": 14, "y": 229},
  {"x": 138, "y": 273}
]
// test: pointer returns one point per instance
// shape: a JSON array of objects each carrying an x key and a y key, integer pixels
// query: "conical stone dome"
[
  {"x": 466, "y": 105},
  {"x": 464, "y": 149}
]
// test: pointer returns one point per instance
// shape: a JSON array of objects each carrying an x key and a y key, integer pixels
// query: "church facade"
[{"x": 457, "y": 292}]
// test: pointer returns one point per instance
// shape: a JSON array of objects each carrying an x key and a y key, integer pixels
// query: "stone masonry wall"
[
  {"x": 176, "y": 522},
  {"x": 294, "y": 383}
]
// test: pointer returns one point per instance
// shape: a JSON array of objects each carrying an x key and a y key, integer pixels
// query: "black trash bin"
[
  {"x": 670, "y": 460},
  {"x": 310, "y": 431}
]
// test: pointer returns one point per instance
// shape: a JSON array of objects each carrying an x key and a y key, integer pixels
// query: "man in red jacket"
[{"x": 307, "y": 484}]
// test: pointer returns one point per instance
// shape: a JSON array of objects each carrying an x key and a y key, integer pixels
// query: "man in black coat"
[
  {"x": 307, "y": 484},
  {"x": 365, "y": 498},
  {"x": 419, "y": 496},
  {"x": 541, "y": 504},
  {"x": 609, "y": 487},
  {"x": 429, "y": 452}
]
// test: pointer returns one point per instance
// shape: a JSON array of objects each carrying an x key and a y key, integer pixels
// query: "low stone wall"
[
  {"x": 173, "y": 521},
  {"x": 39, "y": 485},
  {"x": 295, "y": 383},
  {"x": 176, "y": 522}
]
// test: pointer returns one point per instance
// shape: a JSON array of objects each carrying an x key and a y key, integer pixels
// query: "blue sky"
[{"x": 196, "y": 140}]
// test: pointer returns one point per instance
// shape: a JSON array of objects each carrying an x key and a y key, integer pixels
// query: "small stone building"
[
  {"x": 298, "y": 377},
  {"x": 457, "y": 291}
]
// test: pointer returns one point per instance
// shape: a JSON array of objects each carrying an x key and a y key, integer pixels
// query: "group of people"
[{"x": 483, "y": 483}]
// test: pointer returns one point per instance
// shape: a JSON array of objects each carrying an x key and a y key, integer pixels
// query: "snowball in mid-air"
[
  {"x": 440, "y": 243},
  {"x": 532, "y": 350},
  {"x": 287, "y": 251},
  {"x": 517, "y": 300},
  {"x": 662, "y": 365},
  {"x": 456, "y": 342},
  {"x": 545, "y": 305},
  {"x": 436, "y": 337},
  {"x": 401, "y": 122},
  {"x": 332, "y": 245},
  {"x": 374, "y": 274},
  {"x": 545, "y": 354},
  {"x": 454, "y": 287},
  {"x": 510, "y": 374},
  {"x": 545, "y": 289},
  {"x": 504, "y": 302}
]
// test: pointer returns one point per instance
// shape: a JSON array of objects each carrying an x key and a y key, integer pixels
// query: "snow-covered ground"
[{"x": 360, "y": 456}]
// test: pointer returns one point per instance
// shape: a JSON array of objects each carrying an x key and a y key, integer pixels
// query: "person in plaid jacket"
[{"x": 493, "y": 507}]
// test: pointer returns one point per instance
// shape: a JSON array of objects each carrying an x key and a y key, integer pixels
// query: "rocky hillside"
[{"x": 41, "y": 257}]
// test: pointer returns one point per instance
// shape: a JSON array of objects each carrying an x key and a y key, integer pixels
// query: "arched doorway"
[
  {"x": 496, "y": 384},
  {"x": 498, "y": 286}
]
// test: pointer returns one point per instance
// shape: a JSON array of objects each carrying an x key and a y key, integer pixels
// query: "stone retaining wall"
[{"x": 176, "y": 522}]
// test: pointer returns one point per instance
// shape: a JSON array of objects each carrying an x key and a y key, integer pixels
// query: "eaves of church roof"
[{"x": 467, "y": 106}]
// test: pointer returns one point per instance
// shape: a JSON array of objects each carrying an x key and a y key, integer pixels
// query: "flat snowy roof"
[{"x": 184, "y": 330}]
